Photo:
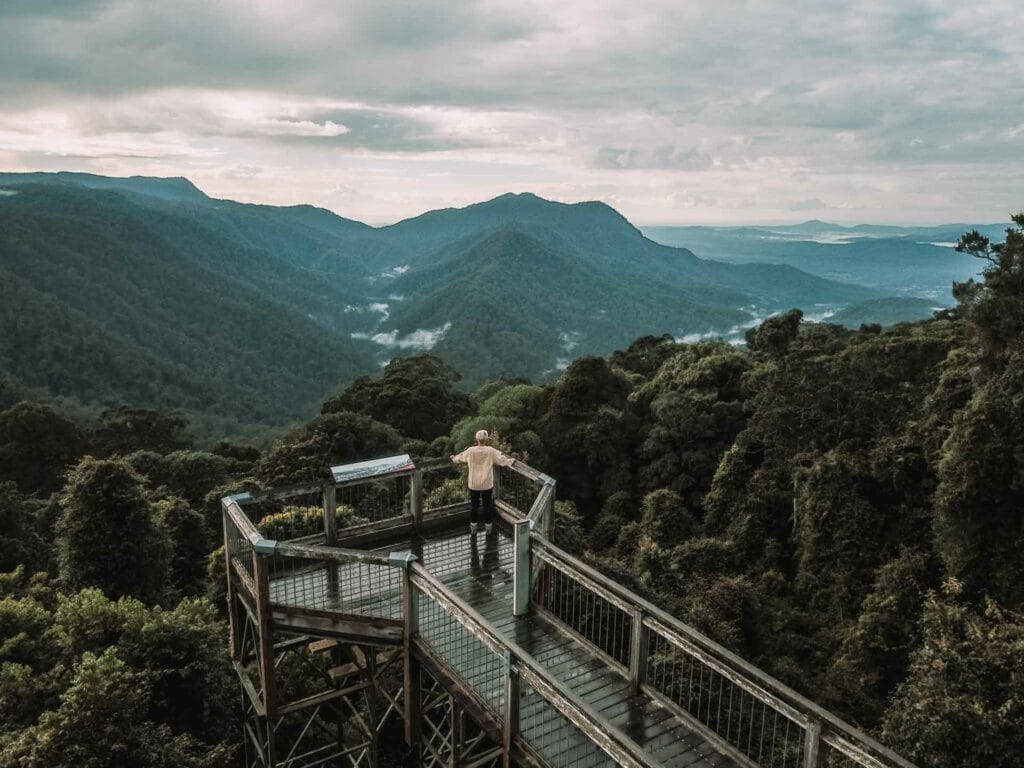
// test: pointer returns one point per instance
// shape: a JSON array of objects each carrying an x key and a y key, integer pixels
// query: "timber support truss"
[{"x": 399, "y": 638}]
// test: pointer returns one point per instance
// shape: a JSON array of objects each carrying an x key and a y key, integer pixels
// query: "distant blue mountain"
[
  {"x": 185, "y": 287},
  {"x": 178, "y": 189},
  {"x": 899, "y": 261}
]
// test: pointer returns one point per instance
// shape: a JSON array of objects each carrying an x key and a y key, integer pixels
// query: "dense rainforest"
[{"x": 844, "y": 508}]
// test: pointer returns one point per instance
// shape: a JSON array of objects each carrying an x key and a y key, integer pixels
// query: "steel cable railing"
[
  {"x": 742, "y": 710},
  {"x": 542, "y": 716}
]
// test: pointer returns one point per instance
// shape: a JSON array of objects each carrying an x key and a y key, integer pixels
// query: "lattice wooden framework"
[{"x": 403, "y": 634}]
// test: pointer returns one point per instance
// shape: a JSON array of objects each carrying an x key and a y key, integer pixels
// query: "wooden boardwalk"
[
  {"x": 509, "y": 648},
  {"x": 479, "y": 570}
]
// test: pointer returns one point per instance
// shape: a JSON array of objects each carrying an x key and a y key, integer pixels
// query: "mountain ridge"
[{"x": 514, "y": 285}]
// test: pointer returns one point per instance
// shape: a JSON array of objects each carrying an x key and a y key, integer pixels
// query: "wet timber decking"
[{"x": 479, "y": 571}]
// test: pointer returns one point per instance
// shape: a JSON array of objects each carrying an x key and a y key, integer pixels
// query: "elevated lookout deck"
[{"x": 511, "y": 651}]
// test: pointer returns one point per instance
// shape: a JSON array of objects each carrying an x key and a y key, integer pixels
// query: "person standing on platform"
[{"x": 481, "y": 459}]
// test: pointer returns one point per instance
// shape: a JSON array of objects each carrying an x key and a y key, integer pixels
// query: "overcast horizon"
[{"x": 713, "y": 113}]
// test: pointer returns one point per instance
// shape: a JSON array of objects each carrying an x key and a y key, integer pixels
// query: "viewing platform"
[{"x": 480, "y": 649}]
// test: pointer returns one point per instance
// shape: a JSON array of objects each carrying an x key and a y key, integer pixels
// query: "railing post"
[
  {"x": 547, "y": 519},
  {"x": 330, "y": 514},
  {"x": 411, "y": 668},
  {"x": 812, "y": 743},
  {"x": 416, "y": 499},
  {"x": 232, "y": 607},
  {"x": 265, "y": 641},
  {"x": 638, "y": 643},
  {"x": 331, "y": 534},
  {"x": 511, "y": 725},
  {"x": 521, "y": 567}
]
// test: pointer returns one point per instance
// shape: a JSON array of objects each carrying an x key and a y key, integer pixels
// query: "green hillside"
[
  {"x": 146, "y": 290},
  {"x": 109, "y": 301}
]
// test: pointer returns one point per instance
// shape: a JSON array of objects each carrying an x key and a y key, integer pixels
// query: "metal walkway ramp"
[{"x": 481, "y": 650}]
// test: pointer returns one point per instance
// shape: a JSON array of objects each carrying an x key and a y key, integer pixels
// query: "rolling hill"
[{"x": 148, "y": 291}]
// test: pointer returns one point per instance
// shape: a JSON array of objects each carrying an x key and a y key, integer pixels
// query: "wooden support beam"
[
  {"x": 331, "y": 536},
  {"x": 364, "y": 629},
  {"x": 265, "y": 641},
  {"x": 369, "y": 664},
  {"x": 249, "y": 689},
  {"x": 411, "y": 667},
  {"x": 521, "y": 568},
  {"x": 319, "y": 646},
  {"x": 510, "y": 730}
]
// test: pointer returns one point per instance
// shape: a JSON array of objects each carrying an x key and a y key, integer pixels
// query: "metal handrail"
[
  {"x": 611, "y": 739},
  {"x": 819, "y": 724},
  {"x": 788, "y": 701}
]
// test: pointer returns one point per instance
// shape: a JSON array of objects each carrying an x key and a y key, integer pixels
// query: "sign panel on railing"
[{"x": 362, "y": 470}]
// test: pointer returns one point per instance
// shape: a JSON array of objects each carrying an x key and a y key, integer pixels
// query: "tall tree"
[
  {"x": 20, "y": 542},
  {"x": 37, "y": 445},
  {"x": 962, "y": 705},
  {"x": 415, "y": 395},
  {"x": 307, "y": 453},
  {"x": 980, "y": 498},
  {"x": 127, "y": 429},
  {"x": 107, "y": 536}
]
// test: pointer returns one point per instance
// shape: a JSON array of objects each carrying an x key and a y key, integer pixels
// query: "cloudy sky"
[{"x": 687, "y": 111}]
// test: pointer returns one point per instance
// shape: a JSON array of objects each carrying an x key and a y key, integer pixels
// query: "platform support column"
[
  {"x": 331, "y": 534},
  {"x": 521, "y": 567},
  {"x": 511, "y": 724},
  {"x": 411, "y": 670},
  {"x": 266, "y": 641}
]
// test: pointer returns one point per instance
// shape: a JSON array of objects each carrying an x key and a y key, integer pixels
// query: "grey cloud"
[
  {"x": 788, "y": 93},
  {"x": 810, "y": 204},
  {"x": 11, "y": 9},
  {"x": 385, "y": 130},
  {"x": 661, "y": 157}
]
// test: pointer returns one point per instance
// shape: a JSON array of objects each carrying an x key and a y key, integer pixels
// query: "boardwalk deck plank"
[{"x": 481, "y": 574}]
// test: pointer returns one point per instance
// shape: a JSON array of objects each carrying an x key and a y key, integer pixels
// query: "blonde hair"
[{"x": 481, "y": 434}]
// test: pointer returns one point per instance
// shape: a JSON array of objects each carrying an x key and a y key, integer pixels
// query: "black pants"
[{"x": 481, "y": 501}]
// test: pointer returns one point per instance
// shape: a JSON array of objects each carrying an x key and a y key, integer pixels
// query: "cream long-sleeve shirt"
[{"x": 481, "y": 460}]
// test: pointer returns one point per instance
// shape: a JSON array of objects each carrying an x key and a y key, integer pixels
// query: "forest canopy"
[{"x": 844, "y": 508}]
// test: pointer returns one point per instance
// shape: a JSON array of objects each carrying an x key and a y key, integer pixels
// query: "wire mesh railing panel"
[
  {"x": 552, "y": 737},
  {"x": 363, "y": 589},
  {"x": 377, "y": 500},
  {"x": 444, "y": 484},
  {"x": 238, "y": 548},
  {"x": 261, "y": 507},
  {"x": 515, "y": 490},
  {"x": 746, "y": 722},
  {"x": 602, "y": 623},
  {"x": 463, "y": 653}
]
